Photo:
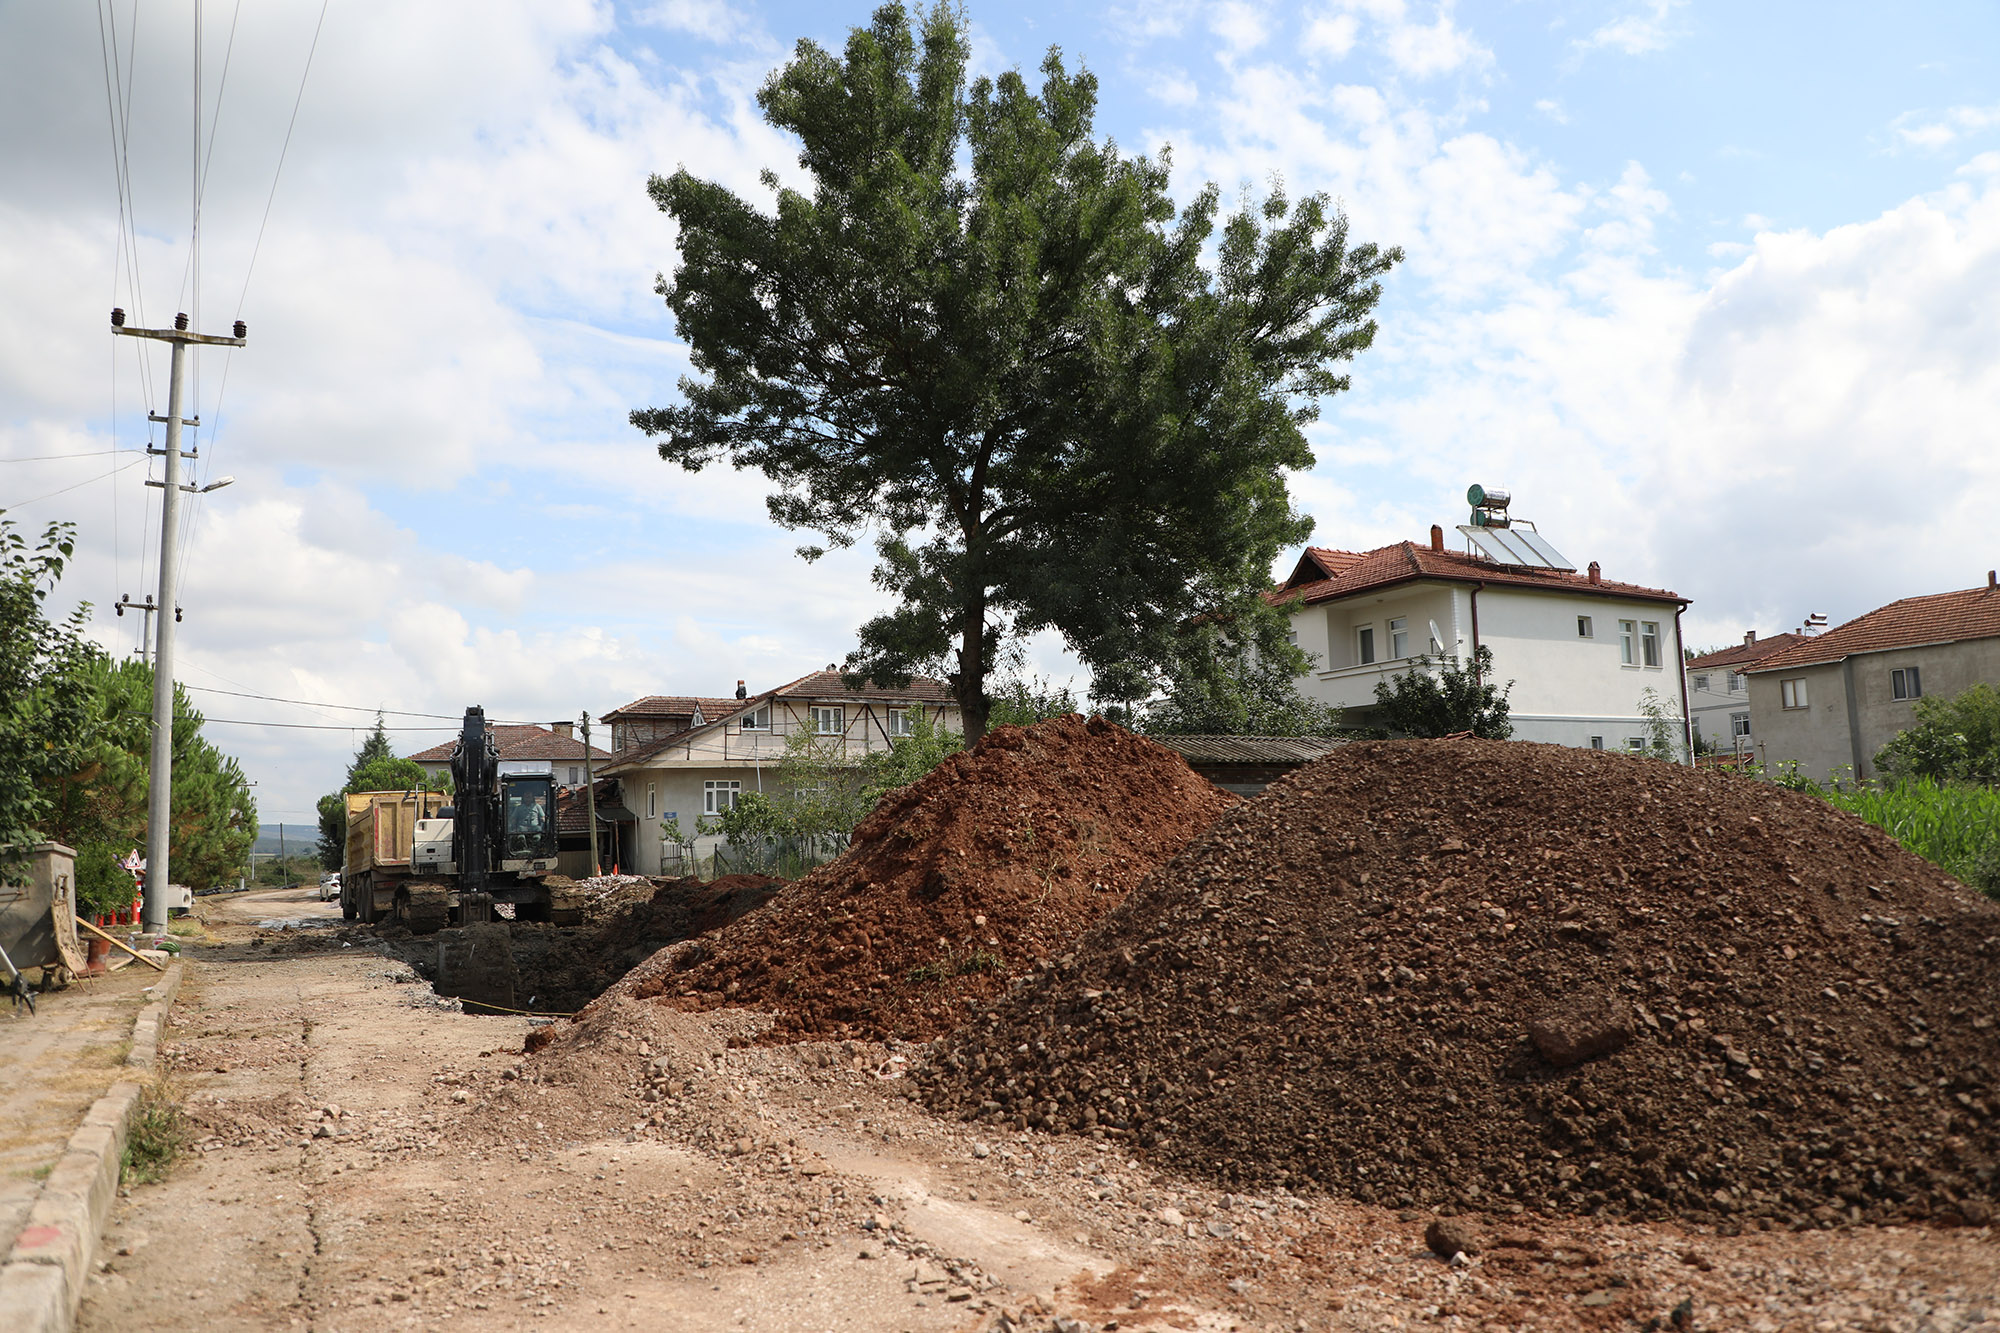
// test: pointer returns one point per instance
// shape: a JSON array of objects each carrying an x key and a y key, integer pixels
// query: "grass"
[
  {"x": 159, "y": 1132},
  {"x": 951, "y": 964},
  {"x": 1952, "y": 825}
]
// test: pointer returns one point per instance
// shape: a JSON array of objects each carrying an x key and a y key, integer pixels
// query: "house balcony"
[{"x": 1354, "y": 686}]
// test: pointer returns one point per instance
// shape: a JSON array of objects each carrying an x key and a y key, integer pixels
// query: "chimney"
[
  {"x": 1749, "y": 637},
  {"x": 1992, "y": 579},
  {"x": 1437, "y": 538},
  {"x": 562, "y": 729},
  {"x": 741, "y": 693},
  {"x": 1596, "y": 574}
]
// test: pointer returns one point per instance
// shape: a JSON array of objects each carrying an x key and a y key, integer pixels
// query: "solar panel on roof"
[{"x": 1516, "y": 546}]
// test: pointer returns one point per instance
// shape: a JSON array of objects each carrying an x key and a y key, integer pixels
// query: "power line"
[
  {"x": 311, "y": 726},
  {"x": 67, "y": 489},
  {"x": 282, "y": 151},
  {"x": 355, "y": 708},
  {"x": 51, "y": 458}
]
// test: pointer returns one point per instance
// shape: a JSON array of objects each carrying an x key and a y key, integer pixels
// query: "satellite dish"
[{"x": 1437, "y": 638}]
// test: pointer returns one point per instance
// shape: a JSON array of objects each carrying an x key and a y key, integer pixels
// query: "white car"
[{"x": 329, "y": 886}]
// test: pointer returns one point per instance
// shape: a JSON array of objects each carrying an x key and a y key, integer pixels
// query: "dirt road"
[{"x": 364, "y": 1157}]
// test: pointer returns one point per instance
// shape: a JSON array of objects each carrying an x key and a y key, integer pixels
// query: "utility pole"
[
  {"x": 124, "y": 604},
  {"x": 160, "y": 779},
  {"x": 590, "y": 800}
]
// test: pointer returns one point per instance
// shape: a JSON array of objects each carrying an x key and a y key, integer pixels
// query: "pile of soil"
[
  {"x": 1483, "y": 975},
  {"x": 1000, "y": 856},
  {"x": 564, "y": 969}
]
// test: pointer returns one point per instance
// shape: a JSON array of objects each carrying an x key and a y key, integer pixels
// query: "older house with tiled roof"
[
  {"x": 553, "y": 749},
  {"x": 1581, "y": 649},
  {"x": 737, "y": 744},
  {"x": 1830, "y": 702},
  {"x": 1719, "y": 691}
]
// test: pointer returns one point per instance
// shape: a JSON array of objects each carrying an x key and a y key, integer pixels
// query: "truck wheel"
[
  {"x": 347, "y": 910},
  {"x": 365, "y": 900}
]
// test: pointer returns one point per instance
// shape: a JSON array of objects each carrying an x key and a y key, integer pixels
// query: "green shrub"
[{"x": 1953, "y": 825}]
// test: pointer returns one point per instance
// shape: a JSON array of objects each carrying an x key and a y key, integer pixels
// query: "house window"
[
  {"x": 901, "y": 721},
  {"x": 1596, "y": 742},
  {"x": 1364, "y": 642},
  {"x": 1737, "y": 682},
  {"x": 759, "y": 720},
  {"x": 719, "y": 796},
  {"x": 1739, "y": 724},
  {"x": 1906, "y": 683},
  {"x": 1701, "y": 682},
  {"x": 1635, "y": 744},
  {"x": 1399, "y": 637},
  {"x": 1792, "y": 693},
  {"x": 573, "y": 775},
  {"x": 618, "y": 736},
  {"x": 829, "y": 721},
  {"x": 652, "y": 800},
  {"x": 1584, "y": 631},
  {"x": 1649, "y": 641},
  {"x": 1628, "y": 630}
]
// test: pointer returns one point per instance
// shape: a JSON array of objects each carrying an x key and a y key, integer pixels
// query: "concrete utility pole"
[
  {"x": 160, "y": 779},
  {"x": 590, "y": 800}
]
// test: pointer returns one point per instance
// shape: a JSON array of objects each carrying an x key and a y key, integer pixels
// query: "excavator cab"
[{"x": 528, "y": 818}]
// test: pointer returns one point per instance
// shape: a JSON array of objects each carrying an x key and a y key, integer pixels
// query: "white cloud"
[
  {"x": 1649, "y": 28},
  {"x": 1330, "y": 36},
  {"x": 1424, "y": 50},
  {"x": 1553, "y": 110},
  {"x": 1940, "y": 129},
  {"x": 713, "y": 20},
  {"x": 1412, "y": 47},
  {"x": 1241, "y": 26}
]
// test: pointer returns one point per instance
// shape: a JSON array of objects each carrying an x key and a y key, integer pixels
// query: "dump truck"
[{"x": 424, "y": 859}]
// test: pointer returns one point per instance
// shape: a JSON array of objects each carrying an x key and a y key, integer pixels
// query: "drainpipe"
[
  {"x": 1680, "y": 665},
  {"x": 1475, "y": 632},
  {"x": 1853, "y": 715}
]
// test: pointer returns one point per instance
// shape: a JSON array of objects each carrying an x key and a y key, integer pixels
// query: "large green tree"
[
  {"x": 992, "y": 341},
  {"x": 1240, "y": 684},
  {"x": 44, "y": 699},
  {"x": 375, "y": 767}
]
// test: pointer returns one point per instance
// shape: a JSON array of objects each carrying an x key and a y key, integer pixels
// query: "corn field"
[{"x": 1953, "y": 825}]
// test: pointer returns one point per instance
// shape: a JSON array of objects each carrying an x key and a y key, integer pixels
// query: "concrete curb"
[{"x": 41, "y": 1284}]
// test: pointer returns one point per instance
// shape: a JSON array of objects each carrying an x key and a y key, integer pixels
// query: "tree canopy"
[
  {"x": 1240, "y": 680},
  {"x": 993, "y": 342},
  {"x": 1955, "y": 739},
  {"x": 375, "y": 767}
]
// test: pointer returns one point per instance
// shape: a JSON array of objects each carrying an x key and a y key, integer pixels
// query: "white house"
[
  {"x": 1581, "y": 650},
  {"x": 704, "y": 768},
  {"x": 1719, "y": 691}
]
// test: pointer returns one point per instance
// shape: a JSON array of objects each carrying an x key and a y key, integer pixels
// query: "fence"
[{"x": 764, "y": 854}]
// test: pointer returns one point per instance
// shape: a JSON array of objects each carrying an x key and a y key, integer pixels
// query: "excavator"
[{"x": 423, "y": 863}]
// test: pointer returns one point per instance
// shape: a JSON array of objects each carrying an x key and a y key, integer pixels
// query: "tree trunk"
[{"x": 970, "y": 687}]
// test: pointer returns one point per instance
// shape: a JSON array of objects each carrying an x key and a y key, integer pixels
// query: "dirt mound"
[
  {"x": 1000, "y": 856},
  {"x": 1481, "y": 975}
]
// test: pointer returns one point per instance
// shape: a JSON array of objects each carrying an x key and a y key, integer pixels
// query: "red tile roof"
[
  {"x": 828, "y": 685},
  {"x": 1745, "y": 653},
  {"x": 1945, "y": 617},
  {"x": 1323, "y": 575},
  {"x": 673, "y": 705},
  {"x": 516, "y": 742}
]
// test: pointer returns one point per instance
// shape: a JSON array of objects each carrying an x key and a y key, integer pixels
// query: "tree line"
[{"x": 76, "y": 742}]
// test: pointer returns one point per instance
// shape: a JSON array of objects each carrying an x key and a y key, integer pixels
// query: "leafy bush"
[
  {"x": 1459, "y": 698},
  {"x": 1953, "y": 740},
  {"x": 102, "y": 885},
  {"x": 1955, "y": 826}
]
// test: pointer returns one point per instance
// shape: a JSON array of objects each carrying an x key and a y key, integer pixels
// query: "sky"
[{"x": 1710, "y": 288}]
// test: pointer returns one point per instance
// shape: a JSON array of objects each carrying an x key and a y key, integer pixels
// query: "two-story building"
[
  {"x": 703, "y": 769},
  {"x": 1581, "y": 649},
  {"x": 1718, "y": 689},
  {"x": 1830, "y": 703}
]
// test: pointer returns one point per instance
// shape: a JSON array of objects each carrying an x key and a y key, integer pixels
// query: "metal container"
[{"x": 38, "y": 918}]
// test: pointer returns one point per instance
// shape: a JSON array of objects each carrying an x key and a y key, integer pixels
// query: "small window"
[
  {"x": 1584, "y": 631},
  {"x": 1628, "y": 630},
  {"x": 901, "y": 721},
  {"x": 1906, "y": 683},
  {"x": 1792, "y": 693},
  {"x": 719, "y": 796},
  {"x": 1292, "y": 637},
  {"x": 1739, "y": 724},
  {"x": 1399, "y": 637},
  {"x": 1635, "y": 744},
  {"x": 758, "y": 720},
  {"x": 1649, "y": 641},
  {"x": 1364, "y": 641},
  {"x": 1737, "y": 682},
  {"x": 1596, "y": 742},
  {"x": 574, "y": 775},
  {"x": 1701, "y": 682},
  {"x": 829, "y": 721},
  {"x": 652, "y": 800}
]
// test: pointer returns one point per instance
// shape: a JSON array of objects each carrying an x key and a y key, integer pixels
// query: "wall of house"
[
  {"x": 1567, "y": 689},
  {"x": 1713, "y": 708},
  {"x": 1821, "y": 738}
]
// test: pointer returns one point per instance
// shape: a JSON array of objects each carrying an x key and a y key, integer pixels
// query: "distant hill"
[{"x": 300, "y": 839}]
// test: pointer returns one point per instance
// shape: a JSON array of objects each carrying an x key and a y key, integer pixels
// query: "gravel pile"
[
  {"x": 1489, "y": 976},
  {"x": 1000, "y": 856}
]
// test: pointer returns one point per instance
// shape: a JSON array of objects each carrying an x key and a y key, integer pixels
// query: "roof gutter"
[{"x": 1475, "y": 632}]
